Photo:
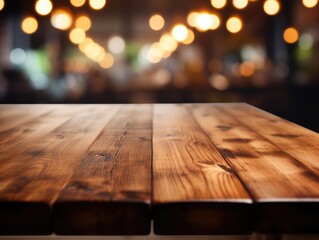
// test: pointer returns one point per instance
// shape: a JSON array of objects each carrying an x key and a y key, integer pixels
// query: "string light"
[
  {"x": 271, "y": 7},
  {"x": 29, "y": 25},
  {"x": 310, "y": 3},
  {"x": 43, "y": 7},
  {"x": 204, "y": 22},
  {"x": 97, "y": 4},
  {"x": 107, "y": 61},
  {"x": 77, "y": 35},
  {"x": 234, "y": 24},
  {"x": 156, "y": 22},
  {"x": 218, "y": 3},
  {"x": 83, "y": 22},
  {"x": 2, "y": 4},
  {"x": 190, "y": 37},
  {"x": 179, "y": 32},
  {"x": 291, "y": 35},
  {"x": 240, "y": 4},
  {"x": 61, "y": 19},
  {"x": 77, "y": 3}
]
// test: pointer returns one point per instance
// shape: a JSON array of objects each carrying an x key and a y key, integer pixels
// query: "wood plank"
[
  {"x": 31, "y": 182},
  {"x": 285, "y": 190},
  {"x": 110, "y": 192},
  {"x": 300, "y": 143},
  {"x": 12, "y": 116},
  {"x": 194, "y": 189},
  {"x": 15, "y": 140}
]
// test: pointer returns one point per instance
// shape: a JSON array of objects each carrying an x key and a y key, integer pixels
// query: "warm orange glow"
[
  {"x": 83, "y": 45},
  {"x": 218, "y": 3},
  {"x": 107, "y": 61},
  {"x": 61, "y": 19},
  {"x": 216, "y": 21},
  {"x": 240, "y": 4},
  {"x": 155, "y": 53},
  {"x": 156, "y": 22},
  {"x": 29, "y": 25},
  {"x": 219, "y": 82},
  {"x": 247, "y": 69},
  {"x": 179, "y": 32},
  {"x": 77, "y": 3},
  {"x": 204, "y": 22},
  {"x": 2, "y": 4},
  {"x": 310, "y": 3},
  {"x": 271, "y": 7},
  {"x": 291, "y": 35},
  {"x": 191, "y": 19},
  {"x": 234, "y": 24},
  {"x": 43, "y": 7},
  {"x": 77, "y": 35},
  {"x": 83, "y": 22},
  {"x": 168, "y": 43},
  {"x": 190, "y": 38},
  {"x": 97, "y": 4}
]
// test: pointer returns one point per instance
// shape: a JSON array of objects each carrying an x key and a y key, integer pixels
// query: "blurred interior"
[{"x": 263, "y": 52}]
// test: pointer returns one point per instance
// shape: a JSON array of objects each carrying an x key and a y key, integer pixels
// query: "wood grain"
[
  {"x": 194, "y": 189},
  {"x": 14, "y": 115},
  {"x": 15, "y": 140},
  {"x": 285, "y": 189},
  {"x": 110, "y": 192},
  {"x": 34, "y": 178}
]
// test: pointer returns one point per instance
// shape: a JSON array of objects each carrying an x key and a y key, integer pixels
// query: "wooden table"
[{"x": 191, "y": 168}]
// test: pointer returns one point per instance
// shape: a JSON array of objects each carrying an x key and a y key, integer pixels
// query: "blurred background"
[{"x": 263, "y": 52}]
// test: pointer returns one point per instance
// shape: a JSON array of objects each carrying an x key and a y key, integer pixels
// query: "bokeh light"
[
  {"x": 61, "y": 19},
  {"x": 29, "y": 25},
  {"x": 168, "y": 43},
  {"x": 77, "y": 35},
  {"x": 83, "y": 45},
  {"x": 83, "y": 22},
  {"x": 190, "y": 38},
  {"x": 107, "y": 61},
  {"x": 234, "y": 24},
  {"x": 116, "y": 44},
  {"x": 247, "y": 69},
  {"x": 97, "y": 4},
  {"x": 43, "y": 7},
  {"x": 77, "y": 3},
  {"x": 17, "y": 56},
  {"x": 179, "y": 32},
  {"x": 156, "y": 22},
  {"x": 218, "y": 3},
  {"x": 2, "y": 4},
  {"x": 204, "y": 22},
  {"x": 310, "y": 3},
  {"x": 191, "y": 18},
  {"x": 240, "y": 4},
  {"x": 306, "y": 41},
  {"x": 219, "y": 82},
  {"x": 216, "y": 21},
  {"x": 291, "y": 35},
  {"x": 271, "y": 7}
]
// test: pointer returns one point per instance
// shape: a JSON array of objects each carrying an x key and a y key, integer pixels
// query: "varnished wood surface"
[
  {"x": 61, "y": 164},
  {"x": 193, "y": 168},
  {"x": 194, "y": 189},
  {"x": 270, "y": 156}
]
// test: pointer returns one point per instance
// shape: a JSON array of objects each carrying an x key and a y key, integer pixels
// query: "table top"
[{"x": 190, "y": 168}]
